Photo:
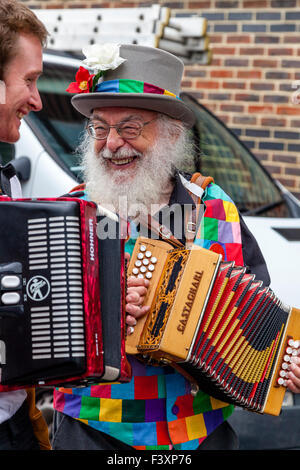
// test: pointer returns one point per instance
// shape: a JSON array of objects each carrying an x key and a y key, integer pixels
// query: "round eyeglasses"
[{"x": 99, "y": 130}]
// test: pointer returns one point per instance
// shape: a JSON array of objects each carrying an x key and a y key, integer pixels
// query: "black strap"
[{"x": 6, "y": 173}]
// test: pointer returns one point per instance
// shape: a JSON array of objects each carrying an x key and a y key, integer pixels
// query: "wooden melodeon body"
[
  {"x": 62, "y": 290},
  {"x": 222, "y": 326}
]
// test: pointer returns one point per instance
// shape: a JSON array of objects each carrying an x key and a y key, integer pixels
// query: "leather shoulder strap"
[
  {"x": 193, "y": 217},
  {"x": 200, "y": 180},
  {"x": 79, "y": 187}
]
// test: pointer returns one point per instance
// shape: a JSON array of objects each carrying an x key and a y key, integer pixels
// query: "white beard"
[{"x": 151, "y": 184}]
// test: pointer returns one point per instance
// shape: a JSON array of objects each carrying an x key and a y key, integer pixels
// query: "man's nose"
[
  {"x": 114, "y": 141},
  {"x": 35, "y": 100}
]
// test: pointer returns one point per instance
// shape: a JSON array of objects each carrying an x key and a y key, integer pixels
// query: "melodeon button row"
[
  {"x": 292, "y": 349},
  {"x": 145, "y": 263}
]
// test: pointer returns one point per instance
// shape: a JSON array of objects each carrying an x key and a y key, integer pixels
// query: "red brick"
[
  {"x": 251, "y": 51},
  {"x": 234, "y": 85},
  {"x": 246, "y": 97},
  {"x": 287, "y": 182},
  {"x": 223, "y": 50},
  {"x": 288, "y": 110},
  {"x": 239, "y": 38},
  {"x": 260, "y": 109},
  {"x": 247, "y": 120},
  {"x": 292, "y": 39},
  {"x": 199, "y": 4},
  {"x": 265, "y": 63},
  {"x": 215, "y": 38},
  {"x": 262, "y": 86},
  {"x": 255, "y": 4},
  {"x": 207, "y": 84},
  {"x": 274, "y": 169},
  {"x": 273, "y": 122},
  {"x": 216, "y": 62},
  {"x": 249, "y": 74},
  {"x": 279, "y": 51},
  {"x": 285, "y": 159},
  {"x": 187, "y": 83},
  {"x": 221, "y": 73},
  {"x": 224, "y": 117},
  {"x": 232, "y": 108}
]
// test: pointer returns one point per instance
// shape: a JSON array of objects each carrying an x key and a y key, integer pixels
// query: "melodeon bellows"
[
  {"x": 221, "y": 324},
  {"x": 61, "y": 296}
]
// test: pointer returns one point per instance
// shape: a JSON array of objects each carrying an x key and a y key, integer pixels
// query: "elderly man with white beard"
[{"x": 137, "y": 136}]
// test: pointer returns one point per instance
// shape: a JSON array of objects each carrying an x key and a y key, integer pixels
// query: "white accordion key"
[
  {"x": 10, "y": 298},
  {"x": 10, "y": 282}
]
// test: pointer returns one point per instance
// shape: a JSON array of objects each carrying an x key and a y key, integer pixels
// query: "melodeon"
[
  {"x": 62, "y": 291},
  {"x": 219, "y": 323}
]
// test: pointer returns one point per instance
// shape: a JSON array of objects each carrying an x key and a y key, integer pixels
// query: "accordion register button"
[
  {"x": 151, "y": 267},
  {"x": 143, "y": 248},
  {"x": 153, "y": 260},
  {"x": 148, "y": 275},
  {"x": 135, "y": 271},
  {"x": 10, "y": 298},
  {"x": 10, "y": 282},
  {"x": 138, "y": 263},
  {"x": 148, "y": 254},
  {"x": 140, "y": 256}
]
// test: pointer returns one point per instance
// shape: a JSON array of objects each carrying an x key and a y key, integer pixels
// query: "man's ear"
[{"x": 176, "y": 130}]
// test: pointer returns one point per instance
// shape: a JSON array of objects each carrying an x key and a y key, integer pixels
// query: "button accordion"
[
  {"x": 62, "y": 295},
  {"x": 224, "y": 328}
]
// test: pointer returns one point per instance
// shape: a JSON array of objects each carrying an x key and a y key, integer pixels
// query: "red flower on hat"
[{"x": 84, "y": 81}]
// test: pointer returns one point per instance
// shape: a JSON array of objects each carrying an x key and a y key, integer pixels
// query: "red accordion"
[{"x": 62, "y": 296}]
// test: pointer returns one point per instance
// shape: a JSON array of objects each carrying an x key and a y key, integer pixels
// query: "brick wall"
[{"x": 252, "y": 81}]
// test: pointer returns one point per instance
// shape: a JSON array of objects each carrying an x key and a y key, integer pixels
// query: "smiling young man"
[
  {"x": 22, "y": 37},
  {"x": 20, "y": 77}
]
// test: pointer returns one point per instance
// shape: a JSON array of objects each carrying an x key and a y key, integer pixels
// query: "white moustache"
[{"x": 119, "y": 154}]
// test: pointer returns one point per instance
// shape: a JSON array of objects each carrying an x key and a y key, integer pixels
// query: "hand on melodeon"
[
  {"x": 293, "y": 374},
  {"x": 136, "y": 291}
]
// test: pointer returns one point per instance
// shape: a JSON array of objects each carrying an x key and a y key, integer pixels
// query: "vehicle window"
[
  {"x": 58, "y": 125},
  {"x": 233, "y": 167},
  {"x": 7, "y": 153}
]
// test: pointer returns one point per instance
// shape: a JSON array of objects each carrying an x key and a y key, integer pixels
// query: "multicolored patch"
[{"x": 131, "y": 86}]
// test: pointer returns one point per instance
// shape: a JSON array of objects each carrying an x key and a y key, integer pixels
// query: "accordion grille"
[{"x": 57, "y": 320}]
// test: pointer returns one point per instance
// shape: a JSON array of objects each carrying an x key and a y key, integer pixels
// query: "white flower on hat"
[{"x": 101, "y": 57}]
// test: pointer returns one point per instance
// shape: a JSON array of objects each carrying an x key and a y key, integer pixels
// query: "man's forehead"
[{"x": 121, "y": 112}]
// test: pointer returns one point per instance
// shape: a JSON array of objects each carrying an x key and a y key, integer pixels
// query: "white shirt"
[{"x": 10, "y": 402}]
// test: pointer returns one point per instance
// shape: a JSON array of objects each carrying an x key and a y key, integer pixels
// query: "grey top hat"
[{"x": 149, "y": 78}]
